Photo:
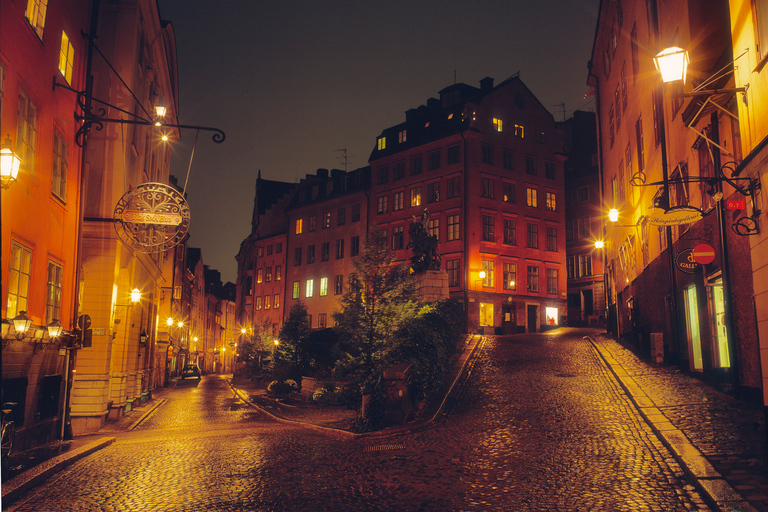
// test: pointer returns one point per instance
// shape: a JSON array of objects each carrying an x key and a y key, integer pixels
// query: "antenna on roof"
[
  {"x": 562, "y": 106},
  {"x": 343, "y": 157}
]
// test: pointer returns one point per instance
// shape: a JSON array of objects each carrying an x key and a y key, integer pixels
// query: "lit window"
[
  {"x": 18, "y": 279},
  {"x": 488, "y": 268},
  {"x": 326, "y": 220},
  {"x": 267, "y": 301},
  {"x": 381, "y": 204},
  {"x": 310, "y": 289},
  {"x": 434, "y": 228},
  {"x": 532, "y": 197},
  {"x": 416, "y": 196},
  {"x": 299, "y": 226},
  {"x": 36, "y": 15},
  {"x": 551, "y": 316},
  {"x": 66, "y": 58},
  {"x": 519, "y": 131},
  {"x": 278, "y": 272},
  {"x": 277, "y": 301},
  {"x": 323, "y": 286},
  {"x": 260, "y": 275},
  {"x": 296, "y": 285},
  {"x": 510, "y": 276},
  {"x": 382, "y": 143},
  {"x": 551, "y": 201},
  {"x": 401, "y": 136},
  {"x": 497, "y": 124}
]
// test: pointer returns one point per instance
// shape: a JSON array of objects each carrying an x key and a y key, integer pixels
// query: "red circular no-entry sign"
[{"x": 703, "y": 254}]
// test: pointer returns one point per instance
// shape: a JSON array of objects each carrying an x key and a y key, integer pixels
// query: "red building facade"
[{"x": 485, "y": 164}]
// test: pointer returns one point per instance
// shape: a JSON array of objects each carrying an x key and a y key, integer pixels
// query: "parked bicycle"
[{"x": 9, "y": 428}]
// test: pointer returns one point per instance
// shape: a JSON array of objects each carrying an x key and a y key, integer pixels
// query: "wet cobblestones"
[{"x": 538, "y": 425}]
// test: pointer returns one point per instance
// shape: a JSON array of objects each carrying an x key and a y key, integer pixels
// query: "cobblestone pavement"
[
  {"x": 729, "y": 431},
  {"x": 538, "y": 424}
]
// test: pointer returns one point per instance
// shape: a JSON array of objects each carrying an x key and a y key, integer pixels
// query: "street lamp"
[
  {"x": 135, "y": 295},
  {"x": 21, "y": 324},
  {"x": 672, "y": 63},
  {"x": 9, "y": 163}
]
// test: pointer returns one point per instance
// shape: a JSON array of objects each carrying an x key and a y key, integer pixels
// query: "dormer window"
[
  {"x": 401, "y": 136},
  {"x": 497, "y": 124},
  {"x": 381, "y": 143}
]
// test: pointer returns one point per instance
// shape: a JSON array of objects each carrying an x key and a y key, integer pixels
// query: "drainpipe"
[
  {"x": 724, "y": 264},
  {"x": 465, "y": 201},
  {"x": 606, "y": 277}
]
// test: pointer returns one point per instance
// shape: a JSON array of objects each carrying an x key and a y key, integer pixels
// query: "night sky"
[{"x": 291, "y": 82}]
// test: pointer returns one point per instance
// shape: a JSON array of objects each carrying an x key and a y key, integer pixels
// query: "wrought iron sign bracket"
[{"x": 89, "y": 119}]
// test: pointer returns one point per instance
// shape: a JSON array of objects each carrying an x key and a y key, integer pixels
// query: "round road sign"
[{"x": 703, "y": 254}]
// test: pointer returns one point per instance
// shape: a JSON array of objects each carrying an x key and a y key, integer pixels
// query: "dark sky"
[{"x": 291, "y": 82}]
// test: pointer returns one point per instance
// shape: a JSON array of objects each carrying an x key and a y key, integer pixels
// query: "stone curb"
[
  {"x": 18, "y": 485},
  {"x": 382, "y": 434},
  {"x": 707, "y": 480}
]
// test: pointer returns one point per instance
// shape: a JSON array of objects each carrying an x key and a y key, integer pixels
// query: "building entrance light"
[{"x": 21, "y": 324}]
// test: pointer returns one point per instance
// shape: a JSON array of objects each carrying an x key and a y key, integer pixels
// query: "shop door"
[
  {"x": 508, "y": 323},
  {"x": 717, "y": 307},
  {"x": 533, "y": 315},
  {"x": 692, "y": 328}
]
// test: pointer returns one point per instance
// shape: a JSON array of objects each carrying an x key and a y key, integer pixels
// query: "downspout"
[
  {"x": 72, "y": 351},
  {"x": 465, "y": 202},
  {"x": 606, "y": 281},
  {"x": 725, "y": 267}
]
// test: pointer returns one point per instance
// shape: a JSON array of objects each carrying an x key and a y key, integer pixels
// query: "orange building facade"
[
  {"x": 40, "y": 210},
  {"x": 662, "y": 152}
]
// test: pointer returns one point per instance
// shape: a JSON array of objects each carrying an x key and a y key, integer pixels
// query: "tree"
[
  {"x": 381, "y": 294},
  {"x": 292, "y": 335},
  {"x": 253, "y": 345}
]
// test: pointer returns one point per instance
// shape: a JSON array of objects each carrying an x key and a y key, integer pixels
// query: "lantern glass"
[
  {"x": 169, "y": 322},
  {"x": 135, "y": 295},
  {"x": 54, "y": 329},
  {"x": 672, "y": 63},
  {"x": 9, "y": 163},
  {"x": 21, "y": 323},
  {"x": 613, "y": 215},
  {"x": 599, "y": 244}
]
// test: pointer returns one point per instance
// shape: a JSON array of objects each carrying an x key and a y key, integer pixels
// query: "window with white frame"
[
  {"x": 36, "y": 10},
  {"x": 310, "y": 288},
  {"x": 53, "y": 295},
  {"x": 488, "y": 268},
  {"x": 59, "y": 179},
  {"x": 19, "y": 275},
  {"x": 26, "y": 132}
]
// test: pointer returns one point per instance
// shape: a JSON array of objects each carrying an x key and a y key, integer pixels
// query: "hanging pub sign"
[
  {"x": 674, "y": 216},
  {"x": 152, "y": 217}
]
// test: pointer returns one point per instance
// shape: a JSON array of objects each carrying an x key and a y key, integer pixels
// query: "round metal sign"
[
  {"x": 703, "y": 254},
  {"x": 152, "y": 217}
]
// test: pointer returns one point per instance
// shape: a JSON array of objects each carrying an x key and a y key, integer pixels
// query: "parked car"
[{"x": 190, "y": 370}]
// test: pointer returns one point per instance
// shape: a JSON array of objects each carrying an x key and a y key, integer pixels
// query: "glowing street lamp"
[
  {"x": 21, "y": 324},
  {"x": 672, "y": 63},
  {"x": 9, "y": 163},
  {"x": 54, "y": 329},
  {"x": 135, "y": 295},
  {"x": 599, "y": 244},
  {"x": 613, "y": 215}
]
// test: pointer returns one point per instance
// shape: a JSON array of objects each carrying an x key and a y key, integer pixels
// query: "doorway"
[
  {"x": 692, "y": 331},
  {"x": 533, "y": 315},
  {"x": 589, "y": 304},
  {"x": 508, "y": 322},
  {"x": 717, "y": 307}
]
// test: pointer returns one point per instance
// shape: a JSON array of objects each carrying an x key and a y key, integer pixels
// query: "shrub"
[
  {"x": 429, "y": 342},
  {"x": 281, "y": 386}
]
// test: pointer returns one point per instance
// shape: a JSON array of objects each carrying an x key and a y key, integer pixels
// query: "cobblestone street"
[{"x": 539, "y": 423}]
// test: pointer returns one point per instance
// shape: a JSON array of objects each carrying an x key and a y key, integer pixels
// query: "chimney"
[{"x": 486, "y": 85}]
